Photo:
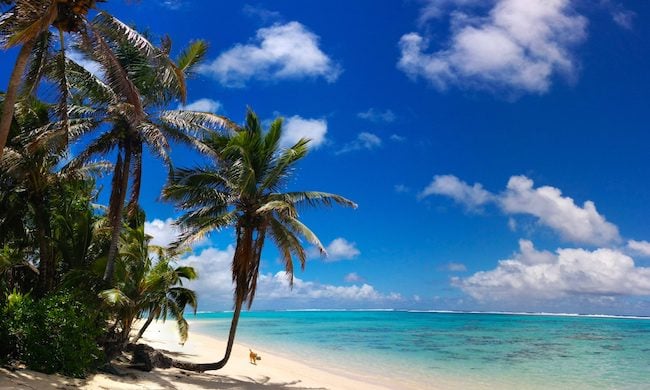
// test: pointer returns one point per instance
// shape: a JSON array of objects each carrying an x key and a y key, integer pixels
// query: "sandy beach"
[{"x": 271, "y": 372}]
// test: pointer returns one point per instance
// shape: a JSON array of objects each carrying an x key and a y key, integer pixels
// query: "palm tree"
[
  {"x": 133, "y": 117},
  {"x": 242, "y": 190},
  {"x": 27, "y": 23},
  {"x": 166, "y": 295},
  {"x": 31, "y": 167},
  {"x": 142, "y": 286}
]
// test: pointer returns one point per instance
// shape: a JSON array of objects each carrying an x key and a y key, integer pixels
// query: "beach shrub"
[
  {"x": 14, "y": 311},
  {"x": 56, "y": 334}
]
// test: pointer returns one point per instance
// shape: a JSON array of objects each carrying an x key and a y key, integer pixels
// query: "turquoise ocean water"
[{"x": 454, "y": 350}]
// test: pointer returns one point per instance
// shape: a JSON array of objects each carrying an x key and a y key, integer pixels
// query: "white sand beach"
[{"x": 271, "y": 372}]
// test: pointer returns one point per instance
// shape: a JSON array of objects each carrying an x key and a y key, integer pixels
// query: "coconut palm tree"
[
  {"x": 27, "y": 23},
  {"x": 31, "y": 167},
  {"x": 243, "y": 190},
  {"x": 131, "y": 123},
  {"x": 166, "y": 295},
  {"x": 143, "y": 285}
]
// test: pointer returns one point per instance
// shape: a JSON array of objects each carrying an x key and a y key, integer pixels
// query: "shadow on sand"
[{"x": 158, "y": 379}]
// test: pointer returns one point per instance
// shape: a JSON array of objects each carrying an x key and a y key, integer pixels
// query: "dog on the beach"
[{"x": 252, "y": 357}]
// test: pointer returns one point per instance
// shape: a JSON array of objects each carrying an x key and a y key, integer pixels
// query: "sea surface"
[{"x": 453, "y": 350}]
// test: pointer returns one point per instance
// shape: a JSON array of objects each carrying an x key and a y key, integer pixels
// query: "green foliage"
[{"x": 56, "y": 334}]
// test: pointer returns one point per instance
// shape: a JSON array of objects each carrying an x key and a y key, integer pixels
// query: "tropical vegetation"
[{"x": 76, "y": 275}]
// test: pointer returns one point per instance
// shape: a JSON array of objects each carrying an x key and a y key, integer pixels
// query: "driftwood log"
[{"x": 146, "y": 358}]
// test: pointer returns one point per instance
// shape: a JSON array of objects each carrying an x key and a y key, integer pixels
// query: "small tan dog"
[{"x": 253, "y": 357}]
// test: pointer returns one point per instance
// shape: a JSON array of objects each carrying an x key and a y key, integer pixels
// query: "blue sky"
[{"x": 497, "y": 149}]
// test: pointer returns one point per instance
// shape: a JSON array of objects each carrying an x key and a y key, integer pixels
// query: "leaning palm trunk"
[
  {"x": 144, "y": 327},
  {"x": 247, "y": 258},
  {"x": 12, "y": 93},
  {"x": 201, "y": 367}
]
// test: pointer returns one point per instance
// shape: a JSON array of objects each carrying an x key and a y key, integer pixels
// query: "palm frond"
[
  {"x": 37, "y": 63},
  {"x": 313, "y": 199},
  {"x": 192, "y": 55}
]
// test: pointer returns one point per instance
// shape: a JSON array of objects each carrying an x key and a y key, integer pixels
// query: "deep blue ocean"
[{"x": 452, "y": 350}]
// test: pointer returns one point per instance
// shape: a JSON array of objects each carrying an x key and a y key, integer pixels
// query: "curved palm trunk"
[
  {"x": 116, "y": 206},
  {"x": 12, "y": 92},
  {"x": 200, "y": 367},
  {"x": 143, "y": 328},
  {"x": 244, "y": 268}
]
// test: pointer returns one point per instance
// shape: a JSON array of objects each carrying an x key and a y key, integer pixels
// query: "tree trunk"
[
  {"x": 12, "y": 93},
  {"x": 116, "y": 206},
  {"x": 201, "y": 367},
  {"x": 144, "y": 327},
  {"x": 46, "y": 266}
]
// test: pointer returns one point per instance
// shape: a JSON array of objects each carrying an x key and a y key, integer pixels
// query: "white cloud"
[
  {"x": 377, "y": 116},
  {"x": 542, "y": 275},
  {"x": 401, "y": 188},
  {"x": 162, "y": 232},
  {"x": 434, "y": 9},
  {"x": 364, "y": 140},
  {"x": 624, "y": 18},
  {"x": 353, "y": 277},
  {"x": 214, "y": 286},
  {"x": 471, "y": 196},
  {"x": 455, "y": 267},
  {"x": 93, "y": 67},
  {"x": 639, "y": 247},
  {"x": 397, "y": 138},
  {"x": 282, "y": 51},
  {"x": 202, "y": 105},
  {"x": 172, "y": 4},
  {"x": 341, "y": 249},
  {"x": 276, "y": 286},
  {"x": 297, "y": 127},
  {"x": 263, "y": 14},
  {"x": 519, "y": 47},
  {"x": 579, "y": 224},
  {"x": 552, "y": 209}
]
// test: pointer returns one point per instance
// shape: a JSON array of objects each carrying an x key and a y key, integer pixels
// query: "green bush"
[{"x": 56, "y": 334}]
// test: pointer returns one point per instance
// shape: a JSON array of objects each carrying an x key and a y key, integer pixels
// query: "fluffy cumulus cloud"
[
  {"x": 282, "y": 51},
  {"x": 582, "y": 224},
  {"x": 641, "y": 248},
  {"x": 519, "y": 46},
  {"x": 353, "y": 277},
  {"x": 377, "y": 116},
  {"x": 471, "y": 196},
  {"x": 163, "y": 232},
  {"x": 276, "y": 286},
  {"x": 214, "y": 286},
  {"x": 296, "y": 127},
  {"x": 202, "y": 105},
  {"x": 542, "y": 275},
  {"x": 339, "y": 249},
  {"x": 364, "y": 141},
  {"x": 579, "y": 224}
]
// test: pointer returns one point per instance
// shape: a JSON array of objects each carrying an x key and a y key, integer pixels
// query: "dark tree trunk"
[
  {"x": 144, "y": 327},
  {"x": 12, "y": 93},
  {"x": 201, "y": 367},
  {"x": 116, "y": 207},
  {"x": 46, "y": 266}
]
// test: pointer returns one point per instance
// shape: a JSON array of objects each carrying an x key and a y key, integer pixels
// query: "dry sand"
[{"x": 271, "y": 373}]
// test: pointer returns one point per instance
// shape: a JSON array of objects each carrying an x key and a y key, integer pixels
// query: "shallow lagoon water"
[{"x": 478, "y": 350}]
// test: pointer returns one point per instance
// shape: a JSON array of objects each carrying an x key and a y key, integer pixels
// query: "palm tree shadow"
[{"x": 175, "y": 379}]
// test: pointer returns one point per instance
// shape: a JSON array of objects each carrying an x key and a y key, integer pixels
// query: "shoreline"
[{"x": 273, "y": 371}]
